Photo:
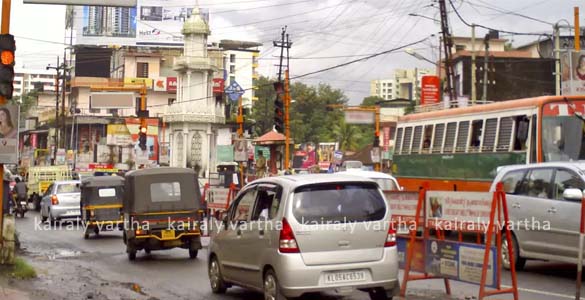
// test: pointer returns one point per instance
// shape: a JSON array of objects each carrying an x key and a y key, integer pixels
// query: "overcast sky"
[{"x": 324, "y": 32}]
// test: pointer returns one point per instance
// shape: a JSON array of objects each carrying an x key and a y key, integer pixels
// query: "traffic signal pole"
[
  {"x": 286, "y": 120},
  {"x": 5, "y": 29}
]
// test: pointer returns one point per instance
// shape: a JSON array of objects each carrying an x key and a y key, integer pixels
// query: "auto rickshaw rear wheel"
[
  {"x": 193, "y": 253},
  {"x": 147, "y": 250},
  {"x": 131, "y": 250}
]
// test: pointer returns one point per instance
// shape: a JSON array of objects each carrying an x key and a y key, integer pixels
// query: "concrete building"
[
  {"x": 194, "y": 119},
  {"x": 404, "y": 84},
  {"x": 27, "y": 80},
  {"x": 241, "y": 62}
]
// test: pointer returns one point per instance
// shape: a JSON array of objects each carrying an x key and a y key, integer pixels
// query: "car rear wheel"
[
  {"x": 518, "y": 261},
  {"x": 52, "y": 220},
  {"x": 272, "y": 290},
  {"x": 218, "y": 286}
]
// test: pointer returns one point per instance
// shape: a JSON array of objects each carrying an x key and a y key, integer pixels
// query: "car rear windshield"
[
  {"x": 165, "y": 192},
  {"x": 338, "y": 203},
  {"x": 67, "y": 188}
]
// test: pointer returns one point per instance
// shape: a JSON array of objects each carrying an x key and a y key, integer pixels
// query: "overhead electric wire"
[
  {"x": 317, "y": 71},
  {"x": 509, "y": 12},
  {"x": 486, "y": 27}
]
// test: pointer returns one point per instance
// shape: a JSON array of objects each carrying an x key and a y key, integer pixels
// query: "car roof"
[
  {"x": 67, "y": 182},
  {"x": 159, "y": 171},
  {"x": 578, "y": 164},
  {"x": 294, "y": 181},
  {"x": 368, "y": 174}
]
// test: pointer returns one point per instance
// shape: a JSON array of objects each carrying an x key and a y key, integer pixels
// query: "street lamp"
[
  {"x": 423, "y": 16},
  {"x": 411, "y": 51}
]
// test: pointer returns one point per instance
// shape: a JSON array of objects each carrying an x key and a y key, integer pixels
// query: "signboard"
[
  {"x": 139, "y": 81},
  {"x": 418, "y": 260},
  {"x": 563, "y": 109},
  {"x": 164, "y": 155},
  {"x": 458, "y": 210},
  {"x": 430, "y": 89},
  {"x": 460, "y": 261},
  {"x": 241, "y": 150},
  {"x": 359, "y": 117},
  {"x": 109, "y": 100},
  {"x": 402, "y": 205},
  {"x": 160, "y": 84},
  {"x": 121, "y": 3},
  {"x": 375, "y": 155},
  {"x": 218, "y": 85},
  {"x": 9, "y": 116},
  {"x": 118, "y": 134},
  {"x": 386, "y": 131},
  {"x": 225, "y": 153},
  {"x": 265, "y": 152},
  {"x": 572, "y": 73},
  {"x": 171, "y": 85},
  {"x": 234, "y": 91},
  {"x": 217, "y": 197},
  {"x": 146, "y": 22},
  {"x": 338, "y": 157}
]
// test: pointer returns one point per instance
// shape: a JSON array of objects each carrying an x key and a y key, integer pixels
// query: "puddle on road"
[{"x": 62, "y": 253}]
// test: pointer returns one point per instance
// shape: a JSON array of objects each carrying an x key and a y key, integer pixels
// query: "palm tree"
[{"x": 347, "y": 135}]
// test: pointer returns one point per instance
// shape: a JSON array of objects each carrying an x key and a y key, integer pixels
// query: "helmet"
[{"x": 7, "y": 175}]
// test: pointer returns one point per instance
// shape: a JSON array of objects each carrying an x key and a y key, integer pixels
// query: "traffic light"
[
  {"x": 142, "y": 138},
  {"x": 279, "y": 115},
  {"x": 7, "y": 48},
  {"x": 376, "y": 141},
  {"x": 279, "y": 87}
]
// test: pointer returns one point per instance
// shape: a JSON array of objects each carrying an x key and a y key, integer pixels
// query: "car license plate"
[
  {"x": 341, "y": 277},
  {"x": 168, "y": 234}
]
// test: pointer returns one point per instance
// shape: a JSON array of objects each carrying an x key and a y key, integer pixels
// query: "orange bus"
[{"x": 461, "y": 148}]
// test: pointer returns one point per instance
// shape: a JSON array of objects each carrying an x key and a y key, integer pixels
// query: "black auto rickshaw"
[
  {"x": 161, "y": 210},
  {"x": 101, "y": 203}
]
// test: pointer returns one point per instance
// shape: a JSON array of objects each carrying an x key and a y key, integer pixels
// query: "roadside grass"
[{"x": 22, "y": 270}]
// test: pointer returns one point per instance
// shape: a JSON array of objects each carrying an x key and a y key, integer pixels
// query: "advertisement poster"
[
  {"x": 160, "y": 84},
  {"x": 402, "y": 205},
  {"x": 418, "y": 259},
  {"x": 152, "y": 22},
  {"x": 165, "y": 154},
  {"x": 459, "y": 261},
  {"x": 572, "y": 73},
  {"x": 430, "y": 90},
  {"x": 9, "y": 116},
  {"x": 458, "y": 210},
  {"x": 217, "y": 197},
  {"x": 151, "y": 152},
  {"x": 241, "y": 150},
  {"x": 118, "y": 134}
]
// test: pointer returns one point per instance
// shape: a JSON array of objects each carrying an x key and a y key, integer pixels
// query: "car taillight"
[
  {"x": 391, "y": 237},
  {"x": 287, "y": 242},
  {"x": 54, "y": 200}
]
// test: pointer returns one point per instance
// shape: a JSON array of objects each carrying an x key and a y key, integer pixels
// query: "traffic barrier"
[
  {"x": 217, "y": 199},
  {"x": 438, "y": 212}
]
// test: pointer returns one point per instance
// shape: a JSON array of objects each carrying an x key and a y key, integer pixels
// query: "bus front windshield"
[{"x": 563, "y": 133}]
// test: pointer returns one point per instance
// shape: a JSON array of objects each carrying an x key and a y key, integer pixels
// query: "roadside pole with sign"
[{"x": 235, "y": 92}]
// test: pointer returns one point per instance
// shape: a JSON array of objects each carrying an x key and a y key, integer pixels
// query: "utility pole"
[
  {"x": 287, "y": 107},
  {"x": 448, "y": 46},
  {"x": 58, "y": 68},
  {"x": 473, "y": 74},
  {"x": 285, "y": 88},
  {"x": 486, "y": 41},
  {"x": 557, "y": 61}
]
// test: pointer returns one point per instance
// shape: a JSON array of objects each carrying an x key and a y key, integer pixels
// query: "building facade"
[
  {"x": 405, "y": 84},
  {"x": 26, "y": 81}
]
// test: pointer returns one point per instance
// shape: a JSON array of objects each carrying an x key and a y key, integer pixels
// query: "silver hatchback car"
[
  {"x": 291, "y": 235},
  {"x": 61, "y": 200}
]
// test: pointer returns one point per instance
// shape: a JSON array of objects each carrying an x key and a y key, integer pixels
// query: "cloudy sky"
[{"x": 324, "y": 32}]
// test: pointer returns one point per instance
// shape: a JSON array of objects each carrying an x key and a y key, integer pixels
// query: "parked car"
[
  {"x": 61, "y": 201},
  {"x": 544, "y": 204},
  {"x": 280, "y": 237},
  {"x": 385, "y": 181}
]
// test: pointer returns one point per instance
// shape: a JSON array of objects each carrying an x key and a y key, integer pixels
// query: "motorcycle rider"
[
  {"x": 21, "y": 191},
  {"x": 7, "y": 199}
]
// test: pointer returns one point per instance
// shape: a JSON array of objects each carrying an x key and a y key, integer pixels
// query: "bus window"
[
  {"x": 476, "y": 133},
  {"x": 438, "y": 139},
  {"x": 398, "y": 142},
  {"x": 521, "y": 133},
  {"x": 450, "y": 137},
  {"x": 489, "y": 138},
  {"x": 505, "y": 134},
  {"x": 407, "y": 140},
  {"x": 428, "y": 134},
  {"x": 416, "y": 139},
  {"x": 462, "y": 136}
]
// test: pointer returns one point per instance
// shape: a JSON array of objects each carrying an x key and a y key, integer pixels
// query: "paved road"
[{"x": 98, "y": 268}]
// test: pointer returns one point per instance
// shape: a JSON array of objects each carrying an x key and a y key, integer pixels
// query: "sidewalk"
[{"x": 10, "y": 294}]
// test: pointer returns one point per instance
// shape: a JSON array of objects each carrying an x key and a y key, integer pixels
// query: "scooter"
[{"x": 21, "y": 207}]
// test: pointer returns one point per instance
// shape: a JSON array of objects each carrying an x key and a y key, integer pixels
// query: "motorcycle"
[{"x": 20, "y": 207}]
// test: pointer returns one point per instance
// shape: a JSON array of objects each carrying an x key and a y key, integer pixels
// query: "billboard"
[
  {"x": 9, "y": 116},
  {"x": 430, "y": 89},
  {"x": 360, "y": 117},
  {"x": 150, "y": 22},
  {"x": 573, "y": 73},
  {"x": 126, "y": 3}
]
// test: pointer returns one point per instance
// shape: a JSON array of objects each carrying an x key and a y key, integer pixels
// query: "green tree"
[
  {"x": 371, "y": 100},
  {"x": 26, "y": 102},
  {"x": 263, "y": 108},
  {"x": 347, "y": 135}
]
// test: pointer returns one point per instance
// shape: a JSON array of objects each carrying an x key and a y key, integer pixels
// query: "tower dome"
[{"x": 195, "y": 24}]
